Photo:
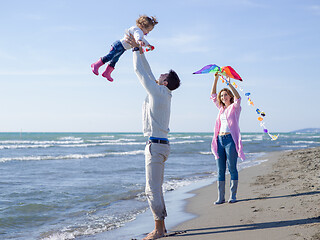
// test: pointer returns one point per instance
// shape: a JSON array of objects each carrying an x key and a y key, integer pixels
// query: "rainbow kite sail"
[
  {"x": 227, "y": 71},
  {"x": 230, "y": 72},
  {"x": 212, "y": 68}
]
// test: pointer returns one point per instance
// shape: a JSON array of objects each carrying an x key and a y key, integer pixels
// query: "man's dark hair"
[{"x": 173, "y": 80}]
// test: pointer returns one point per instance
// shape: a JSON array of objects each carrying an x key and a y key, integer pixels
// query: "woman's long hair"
[{"x": 229, "y": 93}]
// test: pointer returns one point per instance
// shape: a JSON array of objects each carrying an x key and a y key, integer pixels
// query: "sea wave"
[
  {"x": 102, "y": 144},
  {"x": 315, "y": 136},
  {"x": 111, "y": 141},
  {"x": 39, "y": 142},
  {"x": 23, "y": 146},
  {"x": 258, "y": 138},
  {"x": 187, "y": 141},
  {"x": 205, "y": 153},
  {"x": 69, "y": 142},
  {"x": 70, "y": 156},
  {"x": 175, "y": 184},
  {"x": 294, "y": 146},
  {"x": 93, "y": 226},
  {"x": 70, "y": 138},
  {"x": 307, "y": 142},
  {"x": 65, "y": 144}
]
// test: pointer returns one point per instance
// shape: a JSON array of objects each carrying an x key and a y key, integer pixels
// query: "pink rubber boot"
[
  {"x": 95, "y": 66},
  {"x": 108, "y": 72}
]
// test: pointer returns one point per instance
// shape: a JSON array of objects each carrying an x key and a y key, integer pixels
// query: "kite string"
[{"x": 250, "y": 102}]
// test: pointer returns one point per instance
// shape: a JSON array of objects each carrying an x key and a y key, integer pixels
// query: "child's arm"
[
  {"x": 145, "y": 42},
  {"x": 130, "y": 39},
  {"x": 139, "y": 37},
  {"x": 141, "y": 43}
]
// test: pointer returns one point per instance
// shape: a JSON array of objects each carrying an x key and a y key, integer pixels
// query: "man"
[{"x": 156, "y": 116}]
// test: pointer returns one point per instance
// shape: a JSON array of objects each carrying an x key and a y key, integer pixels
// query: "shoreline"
[
  {"x": 192, "y": 214},
  {"x": 176, "y": 202},
  {"x": 278, "y": 199}
]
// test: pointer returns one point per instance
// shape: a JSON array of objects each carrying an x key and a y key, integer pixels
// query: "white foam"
[
  {"x": 70, "y": 138},
  {"x": 38, "y": 142},
  {"x": 247, "y": 140},
  {"x": 70, "y": 156},
  {"x": 187, "y": 141},
  {"x": 308, "y": 142},
  {"x": 111, "y": 140},
  {"x": 189, "y": 137},
  {"x": 258, "y": 138},
  {"x": 69, "y": 144},
  {"x": 105, "y": 136},
  {"x": 205, "y": 153},
  {"x": 312, "y": 137},
  {"x": 247, "y": 164},
  {"x": 103, "y": 144},
  {"x": 94, "y": 226},
  {"x": 176, "y": 184},
  {"x": 246, "y": 136},
  {"x": 294, "y": 146},
  {"x": 23, "y": 146}
]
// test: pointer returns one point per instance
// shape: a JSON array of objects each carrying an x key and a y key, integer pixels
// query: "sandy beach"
[{"x": 278, "y": 199}]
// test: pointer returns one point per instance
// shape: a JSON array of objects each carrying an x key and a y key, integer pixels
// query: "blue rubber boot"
[
  {"x": 233, "y": 191},
  {"x": 221, "y": 191}
]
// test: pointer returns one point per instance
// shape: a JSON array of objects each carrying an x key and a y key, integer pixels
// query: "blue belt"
[{"x": 159, "y": 140}]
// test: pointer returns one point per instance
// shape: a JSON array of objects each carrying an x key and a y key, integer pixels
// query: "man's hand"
[
  {"x": 141, "y": 43},
  {"x": 131, "y": 41}
]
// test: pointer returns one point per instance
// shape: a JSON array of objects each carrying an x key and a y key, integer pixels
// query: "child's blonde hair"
[{"x": 144, "y": 21}]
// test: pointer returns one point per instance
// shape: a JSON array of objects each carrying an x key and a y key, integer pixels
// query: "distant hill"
[{"x": 308, "y": 130}]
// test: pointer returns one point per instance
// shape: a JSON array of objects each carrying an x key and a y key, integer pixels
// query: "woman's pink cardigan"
[{"x": 233, "y": 115}]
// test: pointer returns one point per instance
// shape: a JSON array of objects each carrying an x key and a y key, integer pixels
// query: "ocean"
[{"x": 78, "y": 185}]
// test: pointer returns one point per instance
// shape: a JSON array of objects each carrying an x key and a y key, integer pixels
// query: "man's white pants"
[{"x": 155, "y": 156}]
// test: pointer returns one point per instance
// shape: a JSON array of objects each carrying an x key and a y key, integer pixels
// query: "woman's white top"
[{"x": 224, "y": 128}]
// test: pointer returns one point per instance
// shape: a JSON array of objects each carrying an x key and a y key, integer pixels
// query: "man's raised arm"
[{"x": 142, "y": 67}]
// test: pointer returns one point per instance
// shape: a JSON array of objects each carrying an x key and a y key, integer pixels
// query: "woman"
[{"x": 226, "y": 143}]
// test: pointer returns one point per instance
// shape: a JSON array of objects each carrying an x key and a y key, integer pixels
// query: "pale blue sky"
[{"x": 46, "y": 48}]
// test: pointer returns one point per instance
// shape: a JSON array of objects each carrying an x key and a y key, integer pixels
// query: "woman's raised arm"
[
  {"x": 234, "y": 91},
  {"x": 214, "y": 86}
]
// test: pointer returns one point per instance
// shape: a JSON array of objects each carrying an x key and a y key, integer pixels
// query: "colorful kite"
[
  {"x": 208, "y": 69},
  {"x": 226, "y": 71},
  {"x": 230, "y": 72}
]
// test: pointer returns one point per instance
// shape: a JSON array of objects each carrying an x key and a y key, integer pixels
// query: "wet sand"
[{"x": 278, "y": 199}]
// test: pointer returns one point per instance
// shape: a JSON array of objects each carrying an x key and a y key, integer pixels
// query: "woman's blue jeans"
[
  {"x": 227, "y": 155},
  {"x": 113, "y": 56}
]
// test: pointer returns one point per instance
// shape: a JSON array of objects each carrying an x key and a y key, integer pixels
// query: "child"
[{"x": 145, "y": 25}]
